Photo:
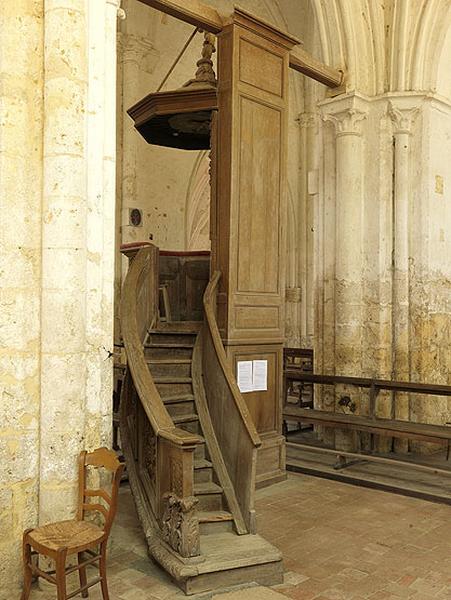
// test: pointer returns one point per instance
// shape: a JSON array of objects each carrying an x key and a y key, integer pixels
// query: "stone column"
[
  {"x": 309, "y": 125},
  {"x": 347, "y": 115},
  {"x": 21, "y": 123},
  {"x": 77, "y": 242},
  {"x": 63, "y": 343},
  {"x": 402, "y": 118},
  {"x": 101, "y": 203}
]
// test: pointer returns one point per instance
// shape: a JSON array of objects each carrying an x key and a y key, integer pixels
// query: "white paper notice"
[
  {"x": 260, "y": 376},
  {"x": 244, "y": 375}
]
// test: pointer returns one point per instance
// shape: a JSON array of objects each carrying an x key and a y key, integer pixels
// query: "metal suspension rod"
[{"x": 181, "y": 53}]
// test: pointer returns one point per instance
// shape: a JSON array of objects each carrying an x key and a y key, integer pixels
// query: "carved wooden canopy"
[{"x": 178, "y": 118}]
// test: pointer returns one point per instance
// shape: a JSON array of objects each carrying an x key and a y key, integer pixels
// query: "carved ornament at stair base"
[{"x": 180, "y": 527}]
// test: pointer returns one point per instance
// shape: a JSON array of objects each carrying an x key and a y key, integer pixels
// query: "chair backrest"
[{"x": 107, "y": 459}]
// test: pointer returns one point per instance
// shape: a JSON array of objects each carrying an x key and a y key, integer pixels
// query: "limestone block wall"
[
  {"x": 57, "y": 167},
  {"x": 21, "y": 127}
]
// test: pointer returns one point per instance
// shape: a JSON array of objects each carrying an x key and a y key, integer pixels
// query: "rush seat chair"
[{"x": 84, "y": 539}]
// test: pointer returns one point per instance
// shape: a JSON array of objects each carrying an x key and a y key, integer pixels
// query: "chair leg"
[
  {"x": 27, "y": 572},
  {"x": 82, "y": 575},
  {"x": 61, "y": 574},
  {"x": 102, "y": 569}
]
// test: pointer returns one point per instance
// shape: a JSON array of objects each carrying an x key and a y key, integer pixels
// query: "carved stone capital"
[
  {"x": 347, "y": 122},
  {"x": 402, "y": 118},
  {"x": 346, "y": 113}
]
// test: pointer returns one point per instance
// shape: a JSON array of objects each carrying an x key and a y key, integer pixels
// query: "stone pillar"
[
  {"x": 101, "y": 203},
  {"x": 347, "y": 115},
  {"x": 402, "y": 118},
  {"x": 309, "y": 124},
  {"x": 64, "y": 277},
  {"x": 293, "y": 298},
  {"x": 77, "y": 243},
  {"x": 21, "y": 123}
]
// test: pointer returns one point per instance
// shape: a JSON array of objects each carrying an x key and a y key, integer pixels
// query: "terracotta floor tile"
[{"x": 339, "y": 542}]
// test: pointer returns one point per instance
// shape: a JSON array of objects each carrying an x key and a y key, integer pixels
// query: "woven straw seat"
[
  {"x": 72, "y": 535},
  {"x": 76, "y": 536}
]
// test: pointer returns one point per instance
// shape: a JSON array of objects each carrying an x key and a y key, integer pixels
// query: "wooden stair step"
[
  {"x": 192, "y": 327},
  {"x": 168, "y": 331},
  {"x": 202, "y": 463},
  {"x": 208, "y": 487},
  {"x": 214, "y": 516},
  {"x": 176, "y": 399},
  {"x": 168, "y": 345},
  {"x": 167, "y": 380},
  {"x": 185, "y": 419},
  {"x": 215, "y": 522},
  {"x": 168, "y": 361}
]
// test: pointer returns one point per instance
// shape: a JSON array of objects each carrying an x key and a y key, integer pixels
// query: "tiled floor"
[{"x": 339, "y": 542}]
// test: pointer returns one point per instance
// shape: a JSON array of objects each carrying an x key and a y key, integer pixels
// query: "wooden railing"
[
  {"x": 230, "y": 417},
  {"x": 160, "y": 457},
  {"x": 372, "y": 424}
]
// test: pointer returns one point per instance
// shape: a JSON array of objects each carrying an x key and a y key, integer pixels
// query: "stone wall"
[
  {"x": 368, "y": 267},
  {"x": 57, "y": 168},
  {"x": 21, "y": 130}
]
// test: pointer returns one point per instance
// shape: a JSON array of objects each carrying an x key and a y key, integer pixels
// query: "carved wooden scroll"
[{"x": 180, "y": 526}]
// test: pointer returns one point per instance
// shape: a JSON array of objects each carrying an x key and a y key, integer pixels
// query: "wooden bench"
[
  {"x": 426, "y": 432},
  {"x": 392, "y": 428}
]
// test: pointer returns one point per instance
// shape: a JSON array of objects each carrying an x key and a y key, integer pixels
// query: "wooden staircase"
[
  {"x": 190, "y": 444},
  {"x": 169, "y": 355}
]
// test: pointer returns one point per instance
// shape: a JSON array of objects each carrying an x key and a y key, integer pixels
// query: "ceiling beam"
[
  {"x": 190, "y": 11},
  {"x": 305, "y": 63},
  {"x": 208, "y": 19}
]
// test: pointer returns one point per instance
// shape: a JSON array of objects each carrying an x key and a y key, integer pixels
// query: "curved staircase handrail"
[
  {"x": 140, "y": 274},
  {"x": 210, "y": 315}
]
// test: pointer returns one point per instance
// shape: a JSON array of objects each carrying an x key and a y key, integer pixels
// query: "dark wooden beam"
[
  {"x": 302, "y": 61},
  {"x": 208, "y": 19},
  {"x": 190, "y": 11}
]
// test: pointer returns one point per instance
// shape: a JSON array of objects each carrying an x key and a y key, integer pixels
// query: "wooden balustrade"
[
  {"x": 232, "y": 423},
  {"x": 160, "y": 456}
]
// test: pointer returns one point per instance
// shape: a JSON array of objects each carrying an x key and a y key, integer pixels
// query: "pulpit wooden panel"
[{"x": 248, "y": 212}]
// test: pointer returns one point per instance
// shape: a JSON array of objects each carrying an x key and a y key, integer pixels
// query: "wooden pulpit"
[{"x": 248, "y": 214}]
